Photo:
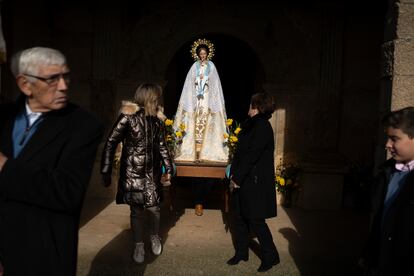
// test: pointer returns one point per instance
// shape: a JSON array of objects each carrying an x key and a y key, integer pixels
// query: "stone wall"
[
  {"x": 321, "y": 61},
  {"x": 397, "y": 64}
]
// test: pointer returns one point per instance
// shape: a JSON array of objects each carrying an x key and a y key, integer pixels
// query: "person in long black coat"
[
  {"x": 253, "y": 183},
  {"x": 47, "y": 151},
  {"x": 390, "y": 246}
]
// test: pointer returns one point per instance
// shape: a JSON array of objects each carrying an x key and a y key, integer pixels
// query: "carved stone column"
[
  {"x": 105, "y": 61},
  {"x": 105, "y": 58},
  {"x": 323, "y": 169}
]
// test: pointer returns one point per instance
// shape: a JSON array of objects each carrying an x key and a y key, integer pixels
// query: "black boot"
[
  {"x": 265, "y": 266},
  {"x": 236, "y": 259}
]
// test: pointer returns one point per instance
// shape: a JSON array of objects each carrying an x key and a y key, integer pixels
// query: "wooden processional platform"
[
  {"x": 201, "y": 169},
  {"x": 204, "y": 169}
]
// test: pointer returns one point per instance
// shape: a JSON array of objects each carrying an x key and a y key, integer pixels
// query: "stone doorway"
[{"x": 240, "y": 72}]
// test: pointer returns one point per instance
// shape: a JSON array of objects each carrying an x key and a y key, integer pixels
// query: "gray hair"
[{"x": 29, "y": 60}]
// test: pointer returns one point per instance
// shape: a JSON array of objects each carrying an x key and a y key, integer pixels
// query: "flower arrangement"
[
  {"x": 230, "y": 137},
  {"x": 173, "y": 137},
  {"x": 287, "y": 176}
]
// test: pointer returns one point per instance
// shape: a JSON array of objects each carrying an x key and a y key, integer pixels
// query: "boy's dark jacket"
[{"x": 390, "y": 246}]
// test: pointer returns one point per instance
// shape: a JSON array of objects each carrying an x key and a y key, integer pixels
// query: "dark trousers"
[
  {"x": 259, "y": 227},
  {"x": 201, "y": 187},
  {"x": 240, "y": 229},
  {"x": 138, "y": 221}
]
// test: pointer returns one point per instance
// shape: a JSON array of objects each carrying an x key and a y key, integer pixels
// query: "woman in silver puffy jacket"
[{"x": 140, "y": 129}]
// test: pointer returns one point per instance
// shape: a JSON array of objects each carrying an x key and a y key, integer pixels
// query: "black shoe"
[
  {"x": 266, "y": 266},
  {"x": 236, "y": 259}
]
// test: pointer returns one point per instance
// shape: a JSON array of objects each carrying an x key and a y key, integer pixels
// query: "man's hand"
[
  {"x": 106, "y": 179},
  {"x": 1, "y": 269},
  {"x": 3, "y": 160}
]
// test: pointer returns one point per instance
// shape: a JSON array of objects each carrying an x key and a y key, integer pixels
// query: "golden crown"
[{"x": 205, "y": 42}]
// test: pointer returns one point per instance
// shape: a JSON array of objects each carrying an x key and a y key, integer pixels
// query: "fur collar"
[{"x": 130, "y": 108}]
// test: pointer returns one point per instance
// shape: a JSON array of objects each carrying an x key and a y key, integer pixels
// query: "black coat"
[
  {"x": 143, "y": 150},
  {"x": 42, "y": 190},
  {"x": 253, "y": 169},
  {"x": 390, "y": 247}
]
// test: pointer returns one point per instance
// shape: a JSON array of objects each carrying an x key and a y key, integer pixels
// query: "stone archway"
[{"x": 240, "y": 72}]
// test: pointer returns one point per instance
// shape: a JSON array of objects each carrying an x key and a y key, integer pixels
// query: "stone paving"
[{"x": 309, "y": 242}]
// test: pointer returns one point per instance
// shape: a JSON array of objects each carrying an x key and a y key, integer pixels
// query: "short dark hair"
[
  {"x": 200, "y": 47},
  {"x": 402, "y": 119},
  {"x": 263, "y": 102}
]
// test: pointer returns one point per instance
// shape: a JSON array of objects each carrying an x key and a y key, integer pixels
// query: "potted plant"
[{"x": 287, "y": 176}]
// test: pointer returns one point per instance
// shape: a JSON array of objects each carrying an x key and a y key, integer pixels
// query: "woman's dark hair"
[
  {"x": 202, "y": 47},
  {"x": 402, "y": 119},
  {"x": 263, "y": 102}
]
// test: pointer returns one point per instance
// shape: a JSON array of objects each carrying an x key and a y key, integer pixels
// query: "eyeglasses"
[{"x": 53, "y": 79}]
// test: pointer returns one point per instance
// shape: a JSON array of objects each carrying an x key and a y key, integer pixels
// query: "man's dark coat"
[{"x": 41, "y": 191}]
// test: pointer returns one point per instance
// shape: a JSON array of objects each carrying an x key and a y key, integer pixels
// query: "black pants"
[
  {"x": 201, "y": 187},
  {"x": 241, "y": 227},
  {"x": 138, "y": 220}
]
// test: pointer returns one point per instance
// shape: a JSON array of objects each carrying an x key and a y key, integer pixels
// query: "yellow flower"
[
  {"x": 178, "y": 134},
  {"x": 168, "y": 138},
  {"x": 281, "y": 181},
  {"x": 225, "y": 135},
  {"x": 169, "y": 122},
  {"x": 237, "y": 130},
  {"x": 229, "y": 122},
  {"x": 233, "y": 139},
  {"x": 182, "y": 127}
]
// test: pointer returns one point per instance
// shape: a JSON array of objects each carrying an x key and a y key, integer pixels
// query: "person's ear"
[{"x": 24, "y": 85}]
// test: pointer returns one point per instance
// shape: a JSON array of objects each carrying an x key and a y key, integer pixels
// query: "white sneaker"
[
  {"x": 156, "y": 245},
  {"x": 139, "y": 253}
]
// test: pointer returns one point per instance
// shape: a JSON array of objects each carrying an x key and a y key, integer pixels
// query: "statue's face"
[{"x": 202, "y": 55}]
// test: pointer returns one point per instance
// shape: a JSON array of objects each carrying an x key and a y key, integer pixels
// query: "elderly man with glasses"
[{"x": 47, "y": 150}]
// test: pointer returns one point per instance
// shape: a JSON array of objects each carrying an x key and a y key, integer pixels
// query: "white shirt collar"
[
  {"x": 405, "y": 167},
  {"x": 32, "y": 116}
]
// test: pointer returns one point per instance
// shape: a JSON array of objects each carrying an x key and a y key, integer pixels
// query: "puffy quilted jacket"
[{"x": 143, "y": 152}]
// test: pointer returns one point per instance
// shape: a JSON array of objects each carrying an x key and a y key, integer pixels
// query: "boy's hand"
[{"x": 3, "y": 160}]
